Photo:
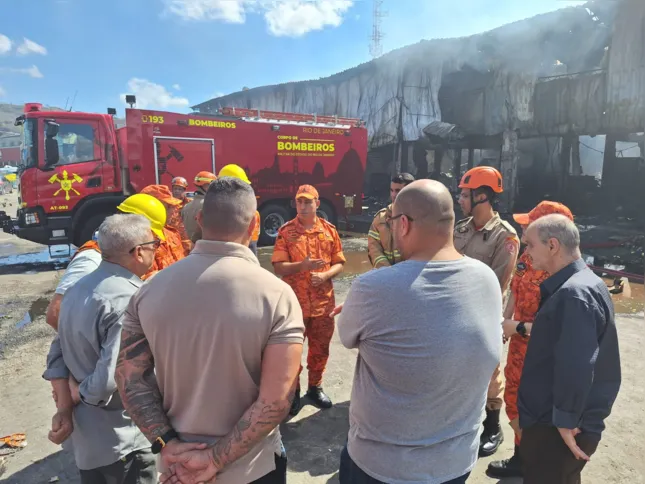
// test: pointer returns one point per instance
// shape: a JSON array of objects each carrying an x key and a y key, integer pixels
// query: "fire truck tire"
[
  {"x": 88, "y": 228},
  {"x": 325, "y": 211},
  {"x": 272, "y": 217}
]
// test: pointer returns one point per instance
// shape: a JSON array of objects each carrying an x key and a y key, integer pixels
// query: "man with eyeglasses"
[
  {"x": 107, "y": 445},
  {"x": 86, "y": 260},
  {"x": 421, "y": 375}
]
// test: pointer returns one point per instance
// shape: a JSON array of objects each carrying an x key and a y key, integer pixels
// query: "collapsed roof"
[{"x": 484, "y": 83}]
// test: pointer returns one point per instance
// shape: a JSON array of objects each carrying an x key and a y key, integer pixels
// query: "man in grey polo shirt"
[
  {"x": 428, "y": 332},
  {"x": 108, "y": 447},
  {"x": 86, "y": 260}
]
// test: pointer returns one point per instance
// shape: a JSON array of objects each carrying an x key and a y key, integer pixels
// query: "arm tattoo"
[
  {"x": 256, "y": 423},
  {"x": 138, "y": 386}
]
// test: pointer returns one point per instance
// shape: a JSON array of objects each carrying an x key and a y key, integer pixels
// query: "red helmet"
[
  {"x": 179, "y": 181},
  {"x": 482, "y": 176}
]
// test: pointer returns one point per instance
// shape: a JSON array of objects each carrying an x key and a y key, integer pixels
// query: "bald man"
[{"x": 412, "y": 324}]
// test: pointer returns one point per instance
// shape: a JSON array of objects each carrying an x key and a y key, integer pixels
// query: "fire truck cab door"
[
  {"x": 78, "y": 172},
  {"x": 182, "y": 157}
]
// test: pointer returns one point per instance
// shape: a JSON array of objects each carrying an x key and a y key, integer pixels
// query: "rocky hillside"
[{"x": 9, "y": 113}]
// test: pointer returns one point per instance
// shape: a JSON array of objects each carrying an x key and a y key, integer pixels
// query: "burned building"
[{"x": 529, "y": 98}]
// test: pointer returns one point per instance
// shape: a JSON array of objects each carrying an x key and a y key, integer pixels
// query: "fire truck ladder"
[{"x": 290, "y": 117}]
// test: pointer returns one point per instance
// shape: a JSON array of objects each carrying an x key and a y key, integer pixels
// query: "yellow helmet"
[
  {"x": 150, "y": 208},
  {"x": 235, "y": 171}
]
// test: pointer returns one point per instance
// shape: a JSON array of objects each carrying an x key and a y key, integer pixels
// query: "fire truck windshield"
[{"x": 29, "y": 145}]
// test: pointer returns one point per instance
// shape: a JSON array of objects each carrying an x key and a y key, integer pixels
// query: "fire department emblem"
[{"x": 66, "y": 183}]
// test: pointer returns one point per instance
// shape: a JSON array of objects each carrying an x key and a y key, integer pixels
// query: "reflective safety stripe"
[
  {"x": 380, "y": 259},
  {"x": 374, "y": 235}
]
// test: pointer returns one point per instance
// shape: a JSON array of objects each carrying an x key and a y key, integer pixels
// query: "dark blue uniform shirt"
[{"x": 571, "y": 373}]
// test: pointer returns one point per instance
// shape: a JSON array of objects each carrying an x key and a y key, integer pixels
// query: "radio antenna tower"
[{"x": 376, "y": 48}]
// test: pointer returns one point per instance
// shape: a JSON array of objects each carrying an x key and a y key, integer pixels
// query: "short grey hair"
[
  {"x": 229, "y": 207},
  {"x": 558, "y": 227},
  {"x": 120, "y": 233}
]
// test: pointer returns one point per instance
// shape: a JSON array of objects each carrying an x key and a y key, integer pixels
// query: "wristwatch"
[
  {"x": 160, "y": 442},
  {"x": 521, "y": 329}
]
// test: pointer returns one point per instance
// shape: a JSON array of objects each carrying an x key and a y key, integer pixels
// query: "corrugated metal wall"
[
  {"x": 570, "y": 104},
  {"x": 626, "y": 78}
]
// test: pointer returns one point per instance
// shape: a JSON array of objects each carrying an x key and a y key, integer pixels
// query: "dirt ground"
[{"x": 313, "y": 439}]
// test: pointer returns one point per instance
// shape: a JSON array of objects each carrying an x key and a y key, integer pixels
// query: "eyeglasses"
[
  {"x": 390, "y": 219},
  {"x": 155, "y": 245}
]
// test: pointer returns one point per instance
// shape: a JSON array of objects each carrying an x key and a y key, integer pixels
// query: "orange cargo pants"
[
  {"x": 318, "y": 332},
  {"x": 513, "y": 372}
]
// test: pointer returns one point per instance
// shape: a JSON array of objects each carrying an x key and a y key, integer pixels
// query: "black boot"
[
  {"x": 295, "y": 405},
  {"x": 508, "y": 467},
  {"x": 319, "y": 398},
  {"x": 492, "y": 437}
]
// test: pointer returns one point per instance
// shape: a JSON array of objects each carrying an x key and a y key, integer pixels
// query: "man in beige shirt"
[
  {"x": 224, "y": 337},
  {"x": 486, "y": 237}
]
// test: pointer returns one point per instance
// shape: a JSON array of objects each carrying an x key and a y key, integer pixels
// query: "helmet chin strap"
[{"x": 473, "y": 203}]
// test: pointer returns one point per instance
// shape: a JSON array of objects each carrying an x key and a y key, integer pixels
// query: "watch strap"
[{"x": 160, "y": 442}]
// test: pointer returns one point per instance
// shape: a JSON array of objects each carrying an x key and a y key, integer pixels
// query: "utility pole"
[{"x": 376, "y": 48}]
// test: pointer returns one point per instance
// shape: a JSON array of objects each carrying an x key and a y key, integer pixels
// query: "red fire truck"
[{"x": 77, "y": 167}]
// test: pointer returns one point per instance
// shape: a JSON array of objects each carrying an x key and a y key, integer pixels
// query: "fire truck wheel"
[
  {"x": 90, "y": 226},
  {"x": 272, "y": 217},
  {"x": 327, "y": 212}
]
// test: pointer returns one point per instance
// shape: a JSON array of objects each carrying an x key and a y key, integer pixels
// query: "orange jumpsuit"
[
  {"x": 294, "y": 244},
  {"x": 525, "y": 287},
  {"x": 175, "y": 221},
  {"x": 256, "y": 233},
  {"x": 169, "y": 251}
]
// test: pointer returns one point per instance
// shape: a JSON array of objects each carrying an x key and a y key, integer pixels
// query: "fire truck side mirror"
[
  {"x": 51, "y": 144},
  {"x": 51, "y": 152},
  {"x": 51, "y": 130}
]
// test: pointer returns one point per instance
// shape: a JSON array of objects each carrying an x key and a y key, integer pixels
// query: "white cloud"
[
  {"x": 5, "y": 44},
  {"x": 176, "y": 87},
  {"x": 151, "y": 95},
  {"x": 30, "y": 47},
  {"x": 32, "y": 71},
  {"x": 232, "y": 11},
  {"x": 3, "y": 93},
  {"x": 292, "y": 18}
]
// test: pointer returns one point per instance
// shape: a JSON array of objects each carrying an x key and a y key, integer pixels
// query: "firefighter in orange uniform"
[
  {"x": 179, "y": 186},
  {"x": 308, "y": 254},
  {"x": 486, "y": 237},
  {"x": 174, "y": 247},
  {"x": 519, "y": 314}
]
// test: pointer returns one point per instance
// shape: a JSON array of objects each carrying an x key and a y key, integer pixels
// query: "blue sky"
[{"x": 177, "y": 53}]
